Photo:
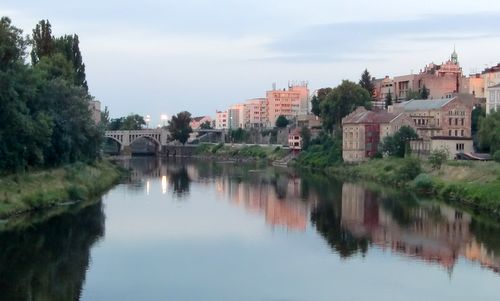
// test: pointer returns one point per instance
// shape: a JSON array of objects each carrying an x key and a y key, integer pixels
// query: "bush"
[
  {"x": 437, "y": 158},
  {"x": 217, "y": 147},
  {"x": 423, "y": 182},
  {"x": 496, "y": 156},
  {"x": 409, "y": 169}
]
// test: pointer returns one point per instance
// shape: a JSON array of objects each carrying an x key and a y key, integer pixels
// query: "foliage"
[
  {"x": 318, "y": 99},
  {"x": 437, "y": 158},
  {"x": 489, "y": 132},
  {"x": 366, "y": 82},
  {"x": 341, "y": 101},
  {"x": 423, "y": 183},
  {"x": 324, "y": 151},
  {"x": 388, "y": 99},
  {"x": 282, "y": 122},
  {"x": 409, "y": 169},
  {"x": 397, "y": 144},
  {"x": 411, "y": 94},
  {"x": 239, "y": 135},
  {"x": 206, "y": 125},
  {"x": 305, "y": 134},
  {"x": 477, "y": 113},
  {"x": 424, "y": 93},
  {"x": 130, "y": 123},
  {"x": 179, "y": 126},
  {"x": 44, "y": 115},
  {"x": 496, "y": 156}
]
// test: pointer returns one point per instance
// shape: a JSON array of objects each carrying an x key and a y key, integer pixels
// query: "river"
[{"x": 197, "y": 230}]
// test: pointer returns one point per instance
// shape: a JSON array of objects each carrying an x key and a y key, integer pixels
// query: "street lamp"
[
  {"x": 148, "y": 119},
  {"x": 164, "y": 119}
]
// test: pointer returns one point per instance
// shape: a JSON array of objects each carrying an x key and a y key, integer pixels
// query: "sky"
[{"x": 155, "y": 57}]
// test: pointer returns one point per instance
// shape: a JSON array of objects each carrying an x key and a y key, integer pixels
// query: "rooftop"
[
  {"x": 425, "y": 104},
  {"x": 362, "y": 115},
  {"x": 495, "y": 86}
]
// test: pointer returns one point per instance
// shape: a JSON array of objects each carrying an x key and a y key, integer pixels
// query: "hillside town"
[{"x": 437, "y": 102}]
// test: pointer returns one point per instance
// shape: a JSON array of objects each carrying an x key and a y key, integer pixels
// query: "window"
[
  {"x": 449, "y": 121},
  {"x": 462, "y": 134},
  {"x": 460, "y": 147},
  {"x": 462, "y": 121},
  {"x": 449, "y": 133},
  {"x": 456, "y": 132},
  {"x": 456, "y": 121}
]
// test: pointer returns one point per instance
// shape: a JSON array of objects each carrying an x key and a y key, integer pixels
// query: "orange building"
[{"x": 289, "y": 103}]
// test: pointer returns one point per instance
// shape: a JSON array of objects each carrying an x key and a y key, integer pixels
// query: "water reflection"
[
  {"x": 49, "y": 260},
  {"x": 349, "y": 217}
]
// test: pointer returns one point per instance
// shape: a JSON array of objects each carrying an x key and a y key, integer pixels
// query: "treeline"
[{"x": 44, "y": 105}]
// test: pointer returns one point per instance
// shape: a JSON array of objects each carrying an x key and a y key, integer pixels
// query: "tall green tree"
[
  {"x": 305, "y": 134},
  {"x": 282, "y": 122},
  {"x": 341, "y": 101},
  {"x": 69, "y": 46},
  {"x": 42, "y": 41},
  {"x": 318, "y": 99},
  {"x": 411, "y": 94},
  {"x": 366, "y": 82},
  {"x": 424, "y": 93},
  {"x": 489, "y": 132},
  {"x": 397, "y": 145},
  {"x": 388, "y": 99},
  {"x": 179, "y": 126}
]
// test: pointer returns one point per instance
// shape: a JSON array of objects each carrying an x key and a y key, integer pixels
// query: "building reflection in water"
[
  {"x": 350, "y": 218},
  {"x": 432, "y": 232}
]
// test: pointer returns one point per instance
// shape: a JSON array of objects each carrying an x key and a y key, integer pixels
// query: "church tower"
[{"x": 454, "y": 57}]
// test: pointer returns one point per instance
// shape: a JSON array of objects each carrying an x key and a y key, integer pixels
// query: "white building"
[{"x": 493, "y": 98}]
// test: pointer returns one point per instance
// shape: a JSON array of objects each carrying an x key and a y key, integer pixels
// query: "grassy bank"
[
  {"x": 238, "y": 152},
  {"x": 42, "y": 189},
  {"x": 475, "y": 185}
]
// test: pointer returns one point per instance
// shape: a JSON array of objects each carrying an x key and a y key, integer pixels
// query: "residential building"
[
  {"x": 493, "y": 102},
  {"x": 363, "y": 130},
  {"x": 491, "y": 77},
  {"x": 256, "y": 113},
  {"x": 196, "y": 122},
  {"x": 295, "y": 140},
  {"x": 222, "y": 119},
  {"x": 440, "y": 123},
  {"x": 289, "y": 103},
  {"x": 236, "y": 115}
]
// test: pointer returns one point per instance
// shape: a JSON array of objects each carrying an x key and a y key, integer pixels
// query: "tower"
[{"x": 454, "y": 57}]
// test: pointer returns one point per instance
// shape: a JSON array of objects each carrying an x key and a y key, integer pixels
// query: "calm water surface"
[{"x": 185, "y": 230}]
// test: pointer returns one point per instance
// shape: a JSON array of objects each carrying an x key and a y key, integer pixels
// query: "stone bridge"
[{"x": 126, "y": 138}]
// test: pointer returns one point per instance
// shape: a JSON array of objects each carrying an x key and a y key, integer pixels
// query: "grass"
[
  {"x": 42, "y": 189},
  {"x": 241, "y": 152},
  {"x": 475, "y": 185}
]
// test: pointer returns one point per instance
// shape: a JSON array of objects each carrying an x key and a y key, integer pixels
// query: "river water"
[{"x": 194, "y": 230}]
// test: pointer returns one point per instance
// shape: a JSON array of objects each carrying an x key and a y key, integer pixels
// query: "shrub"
[
  {"x": 409, "y": 169},
  {"x": 423, "y": 182},
  {"x": 496, "y": 156},
  {"x": 437, "y": 158},
  {"x": 217, "y": 147}
]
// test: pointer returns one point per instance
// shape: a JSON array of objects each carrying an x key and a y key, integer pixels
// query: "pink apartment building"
[{"x": 289, "y": 103}]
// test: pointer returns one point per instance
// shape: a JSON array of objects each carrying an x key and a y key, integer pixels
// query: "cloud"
[{"x": 373, "y": 40}]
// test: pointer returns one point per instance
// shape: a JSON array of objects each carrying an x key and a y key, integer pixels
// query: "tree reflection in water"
[{"x": 49, "y": 260}]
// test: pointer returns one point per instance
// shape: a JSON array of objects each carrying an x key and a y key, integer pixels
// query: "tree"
[
  {"x": 366, "y": 82},
  {"x": 424, "y": 93},
  {"x": 133, "y": 122},
  {"x": 388, "y": 99},
  {"x": 42, "y": 41},
  {"x": 69, "y": 46},
  {"x": 437, "y": 158},
  {"x": 411, "y": 94},
  {"x": 305, "y": 134},
  {"x": 179, "y": 126},
  {"x": 397, "y": 145},
  {"x": 489, "y": 132},
  {"x": 282, "y": 122},
  {"x": 341, "y": 101},
  {"x": 206, "y": 125},
  {"x": 318, "y": 99},
  {"x": 12, "y": 44}
]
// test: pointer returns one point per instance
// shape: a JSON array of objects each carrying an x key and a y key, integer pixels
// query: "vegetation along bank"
[{"x": 51, "y": 187}]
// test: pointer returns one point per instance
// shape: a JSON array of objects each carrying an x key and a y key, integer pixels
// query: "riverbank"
[
  {"x": 475, "y": 185},
  {"x": 240, "y": 153},
  {"x": 32, "y": 191}
]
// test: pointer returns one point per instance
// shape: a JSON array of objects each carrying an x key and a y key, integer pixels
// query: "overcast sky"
[{"x": 154, "y": 57}]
